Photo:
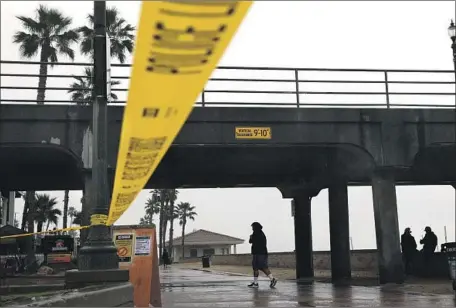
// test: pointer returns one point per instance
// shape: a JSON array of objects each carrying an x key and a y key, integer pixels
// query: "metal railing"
[{"x": 255, "y": 86}]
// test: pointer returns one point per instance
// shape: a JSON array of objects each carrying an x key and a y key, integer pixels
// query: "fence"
[{"x": 249, "y": 86}]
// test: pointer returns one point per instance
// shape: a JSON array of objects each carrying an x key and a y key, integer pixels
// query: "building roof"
[
  {"x": 204, "y": 237},
  {"x": 8, "y": 230}
]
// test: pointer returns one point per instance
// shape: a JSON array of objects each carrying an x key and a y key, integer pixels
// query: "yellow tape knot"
[{"x": 98, "y": 219}]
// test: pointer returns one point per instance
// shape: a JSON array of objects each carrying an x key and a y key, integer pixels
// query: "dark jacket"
[
  {"x": 429, "y": 242},
  {"x": 165, "y": 257},
  {"x": 259, "y": 243},
  {"x": 408, "y": 244}
]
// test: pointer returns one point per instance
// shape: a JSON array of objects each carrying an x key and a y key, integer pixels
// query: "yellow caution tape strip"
[
  {"x": 179, "y": 44},
  {"x": 45, "y": 232},
  {"x": 95, "y": 219}
]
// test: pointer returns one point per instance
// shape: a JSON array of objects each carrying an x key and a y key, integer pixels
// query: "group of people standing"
[{"x": 409, "y": 248}]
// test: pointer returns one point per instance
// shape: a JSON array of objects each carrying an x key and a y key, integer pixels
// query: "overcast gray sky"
[{"x": 358, "y": 34}]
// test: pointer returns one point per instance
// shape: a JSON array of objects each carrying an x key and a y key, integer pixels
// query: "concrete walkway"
[{"x": 190, "y": 288}]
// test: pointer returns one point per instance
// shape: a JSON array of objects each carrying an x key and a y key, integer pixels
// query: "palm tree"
[
  {"x": 82, "y": 89},
  {"x": 29, "y": 212},
  {"x": 66, "y": 199},
  {"x": 45, "y": 211},
  {"x": 50, "y": 35},
  {"x": 158, "y": 197},
  {"x": 118, "y": 30},
  {"x": 171, "y": 216},
  {"x": 77, "y": 218},
  {"x": 72, "y": 212},
  {"x": 152, "y": 208},
  {"x": 165, "y": 209},
  {"x": 28, "y": 217},
  {"x": 186, "y": 212}
]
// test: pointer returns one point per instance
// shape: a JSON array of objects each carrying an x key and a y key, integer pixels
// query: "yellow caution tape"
[
  {"x": 95, "y": 219},
  {"x": 179, "y": 44},
  {"x": 45, "y": 232},
  {"x": 98, "y": 219}
]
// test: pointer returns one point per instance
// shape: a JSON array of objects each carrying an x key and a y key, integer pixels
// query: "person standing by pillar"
[
  {"x": 260, "y": 255},
  {"x": 408, "y": 245},
  {"x": 429, "y": 245}
]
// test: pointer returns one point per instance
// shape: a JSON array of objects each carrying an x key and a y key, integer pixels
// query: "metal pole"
[
  {"x": 387, "y": 90},
  {"x": 297, "y": 87},
  {"x": 99, "y": 252},
  {"x": 453, "y": 46}
]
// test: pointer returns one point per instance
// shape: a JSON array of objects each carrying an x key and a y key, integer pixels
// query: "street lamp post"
[
  {"x": 98, "y": 251},
  {"x": 452, "y": 34}
]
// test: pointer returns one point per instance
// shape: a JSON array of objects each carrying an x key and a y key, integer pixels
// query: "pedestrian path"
[{"x": 190, "y": 288}]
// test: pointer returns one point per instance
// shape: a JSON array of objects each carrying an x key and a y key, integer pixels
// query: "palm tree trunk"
[
  {"x": 171, "y": 234},
  {"x": 65, "y": 208},
  {"x": 165, "y": 228},
  {"x": 39, "y": 226},
  {"x": 47, "y": 225},
  {"x": 43, "y": 76},
  {"x": 24, "y": 213},
  {"x": 30, "y": 199},
  {"x": 171, "y": 228},
  {"x": 161, "y": 225},
  {"x": 183, "y": 239}
]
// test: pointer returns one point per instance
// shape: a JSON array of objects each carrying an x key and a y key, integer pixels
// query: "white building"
[
  {"x": 202, "y": 242},
  {"x": 7, "y": 199}
]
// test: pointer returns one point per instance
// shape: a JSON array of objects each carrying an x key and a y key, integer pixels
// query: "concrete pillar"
[
  {"x": 391, "y": 268},
  {"x": 235, "y": 252},
  {"x": 4, "y": 208},
  {"x": 454, "y": 186},
  {"x": 86, "y": 204},
  {"x": 11, "y": 207},
  {"x": 303, "y": 237},
  {"x": 339, "y": 230}
]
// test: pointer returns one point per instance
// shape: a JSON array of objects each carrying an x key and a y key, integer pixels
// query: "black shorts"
[{"x": 259, "y": 262}]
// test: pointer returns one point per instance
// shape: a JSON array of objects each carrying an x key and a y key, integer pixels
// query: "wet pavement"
[{"x": 190, "y": 288}]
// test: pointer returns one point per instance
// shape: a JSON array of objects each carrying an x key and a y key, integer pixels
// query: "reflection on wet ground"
[{"x": 201, "y": 289}]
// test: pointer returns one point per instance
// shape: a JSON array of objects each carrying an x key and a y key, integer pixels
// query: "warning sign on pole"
[{"x": 124, "y": 244}]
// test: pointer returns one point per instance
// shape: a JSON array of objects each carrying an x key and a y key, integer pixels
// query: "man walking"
[{"x": 260, "y": 255}]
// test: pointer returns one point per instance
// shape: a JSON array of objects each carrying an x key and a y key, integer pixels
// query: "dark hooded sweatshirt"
[{"x": 259, "y": 244}]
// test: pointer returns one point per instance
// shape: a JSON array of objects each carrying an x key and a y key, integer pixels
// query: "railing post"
[
  {"x": 297, "y": 87},
  {"x": 387, "y": 90},
  {"x": 202, "y": 99}
]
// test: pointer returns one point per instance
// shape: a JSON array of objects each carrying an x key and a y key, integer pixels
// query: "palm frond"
[
  {"x": 29, "y": 43},
  {"x": 30, "y": 24},
  {"x": 52, "y": 56}
]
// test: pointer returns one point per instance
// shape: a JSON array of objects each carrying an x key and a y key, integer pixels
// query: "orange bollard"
[{"x": 142, "y": 262}]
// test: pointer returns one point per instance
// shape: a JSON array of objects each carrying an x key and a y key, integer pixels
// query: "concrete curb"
[
  {"x": 24, "y": 289},
  {"x": 109, "y": 296}
]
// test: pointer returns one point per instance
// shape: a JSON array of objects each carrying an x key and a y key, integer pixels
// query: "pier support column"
[
  {"x": 391, "y": 268},
  {"x": 339, "y": 230},
  {"x": 303, "y": 237}
]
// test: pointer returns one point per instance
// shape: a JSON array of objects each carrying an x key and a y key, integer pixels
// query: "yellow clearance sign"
[
  {"x": 179, "y": 43},
  {"x": 253, "y": 133}
]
